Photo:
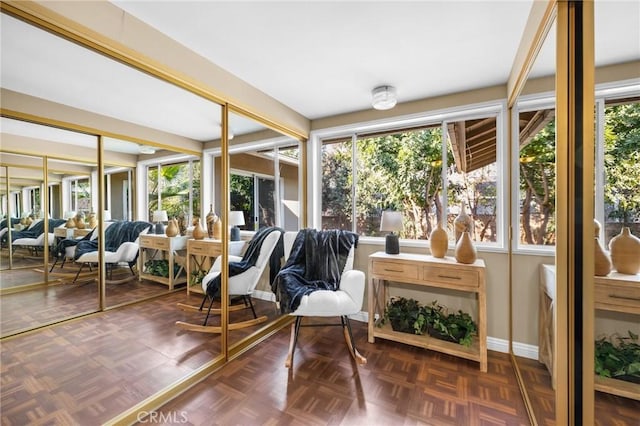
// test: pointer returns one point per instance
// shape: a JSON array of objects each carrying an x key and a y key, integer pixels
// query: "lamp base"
[
  {"x": 392, "y": 244},
  {"x": 235, "y": 234},
  {"x": 159, "y": 228}
]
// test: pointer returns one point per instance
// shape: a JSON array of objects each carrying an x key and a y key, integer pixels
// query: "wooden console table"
[
  {"x": 202, "y": 253},
  {"x": 616, "y": 292},
  {"x": 154, "y": 245},
  {"x": 427, "y": 271}
]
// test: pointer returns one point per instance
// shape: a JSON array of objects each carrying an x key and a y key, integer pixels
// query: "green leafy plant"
[
  {"x": 618, "y": 357},
  {"x": 408, "y": 316},
  {"x": 159, "y": 268},
  {"x": 402, "y": 313},
  {"x": 197, "y": 276}
]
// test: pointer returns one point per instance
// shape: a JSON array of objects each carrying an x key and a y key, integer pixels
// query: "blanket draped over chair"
[
  {"x": 316, "y": 263},
  {"x": 249, "y": 259},
  {"x": 117, "y": 233},
  {"x": 36, "y": 230}
]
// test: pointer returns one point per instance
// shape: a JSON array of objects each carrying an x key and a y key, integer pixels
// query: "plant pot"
[{"x": 440, "y": 336}]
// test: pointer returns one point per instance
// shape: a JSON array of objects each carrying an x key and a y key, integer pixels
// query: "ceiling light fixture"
[
  {"x": 146, "y": 149},
  {"x": 384, "y": 97}
]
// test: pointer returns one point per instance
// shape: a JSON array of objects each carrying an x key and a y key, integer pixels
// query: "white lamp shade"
[
  {"x": 69, "y": 214},
  {"x": 160, "y": 216},
  {"x": 236, "y": 218},
  {"x": 391, "y": 221}
]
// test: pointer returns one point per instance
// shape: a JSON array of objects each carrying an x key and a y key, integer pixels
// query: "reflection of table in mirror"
[
  {"x": 161, "y": 247},
  {"x": 200, "y": 257},
  {"x": 615, "y": 293}
]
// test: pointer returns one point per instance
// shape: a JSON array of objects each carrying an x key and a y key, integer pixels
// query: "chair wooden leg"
[
  {"x": 295, "y": 327},
  {"x": 348, "y": 336}
]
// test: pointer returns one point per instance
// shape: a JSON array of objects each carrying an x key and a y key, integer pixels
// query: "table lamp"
[
  {"x": 160, "y": 216},
  {"x": 236, "y": 218},
  {"x": 391, "y": 221}
]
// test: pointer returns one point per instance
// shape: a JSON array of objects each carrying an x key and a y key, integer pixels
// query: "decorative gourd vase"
[
  {"x": 217, "y": 229},
  {"x": 465, "y": 250},
  {"x": 92, "y": 220},
  {"x": 172, "y": 228},
  {"x": 602, "y": 265},
  {"x": 71, "y": 223},
  {"x": 462, "y": 222},
  {"x": 198, "y": 232},
  {"x": 625, "y": 252},
  {"x": 439, "y": 242},
  {"x": 182, "y": 223},
  {"x": 211, "y": 220},
  {"x": 80, "y": 222}
]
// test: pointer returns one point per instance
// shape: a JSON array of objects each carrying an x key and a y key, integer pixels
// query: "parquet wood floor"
[
  {"x": 610, "y": 410},
  {"x": 399, "y": 385}
]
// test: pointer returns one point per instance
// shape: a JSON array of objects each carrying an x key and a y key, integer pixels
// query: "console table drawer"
[
  {"x": 625, "y": 298},
  {"x": 391, "y": 270},
  {"x": 148, "y": 241},
  {"x": 204, "y": 248},
  {"x": 450, "y": 276}
]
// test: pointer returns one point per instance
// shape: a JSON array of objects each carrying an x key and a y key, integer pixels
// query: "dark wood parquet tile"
[{"x": 399, "y": 385}]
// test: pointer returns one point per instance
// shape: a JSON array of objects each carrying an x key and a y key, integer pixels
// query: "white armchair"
[
  {"x": 241, "y": 285},
  {"x": 345, "y": 301}
]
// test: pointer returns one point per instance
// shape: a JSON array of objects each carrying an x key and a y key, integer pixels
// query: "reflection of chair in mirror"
[
  {"x": 121, "y": 247},
  {"x": 244, "y": 273},
  {"x": 318, "y": 281},
  {"x": 33, "y": 238}
]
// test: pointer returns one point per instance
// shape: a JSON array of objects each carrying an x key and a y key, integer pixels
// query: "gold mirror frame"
[{"x": 574, "y": 400}]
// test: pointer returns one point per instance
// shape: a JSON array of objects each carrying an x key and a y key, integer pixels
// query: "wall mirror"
[
  {"x": 265, "y": 191},
  {"x": 33, "y": 277},
  {"x": 534, "y": 327}
]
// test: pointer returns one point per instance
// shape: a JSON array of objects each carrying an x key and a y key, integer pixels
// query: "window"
[
  {"x": 621, "y": 160},
  {"x": 417, "y": 171},
  {"x": 81, "y": 195},
  {"x": 537, "y": 180},
  {"x": 174, "y": 187}
]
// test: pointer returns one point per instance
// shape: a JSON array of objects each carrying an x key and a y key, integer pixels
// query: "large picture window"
[
  {"x": 417, "y": 171},
  {"x": 174, "y": 187}
]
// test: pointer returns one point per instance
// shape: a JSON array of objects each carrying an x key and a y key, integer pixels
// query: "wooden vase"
[
  {"x": 462, "y": 223},
  {"x": 80, "y": 222},
  {"x": 439, "y": 242},
  {"x": 198, "y": 232},
  {"x": 93, "y": 222},
  {"x": 211, "y": 219},
  {"x": 465, "y": 250},
  {"x": 603, "y": 264},
  {"x": 71, "y": 223},
  {"x": 217, "y": 230},
  {"x": 172, "y": 228},
  {"x": 625, "y": 252}
]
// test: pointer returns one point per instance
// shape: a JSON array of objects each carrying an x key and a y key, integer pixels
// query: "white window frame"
[{"x": 497, "y": 108}]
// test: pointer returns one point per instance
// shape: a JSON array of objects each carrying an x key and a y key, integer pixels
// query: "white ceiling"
[{"x": 319, "y": 58}]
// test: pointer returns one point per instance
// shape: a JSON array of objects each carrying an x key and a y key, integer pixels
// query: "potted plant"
[
  {"x": 458, "y": 328},
  {"x": 402, "y": 313},
  {"x": 618, "y": 359}
]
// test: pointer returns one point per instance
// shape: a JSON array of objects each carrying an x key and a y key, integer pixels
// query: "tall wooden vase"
[
  {"x": 603, "y": 264},
  {"x": 439, "y": 242},
  {"x": 462, "y": 222},
  {"x": 172, "y": 228},
  {"x": 625, "y": 252},
  {"x": 465, "y": 250},
  {"x": 198, "y": 232}
]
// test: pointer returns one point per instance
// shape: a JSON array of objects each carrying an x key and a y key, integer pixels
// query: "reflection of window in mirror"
[
  {"x": 618, "y": 201},
  {"x": 174, "y": 187},
  {"x": 536, "y": 171}
]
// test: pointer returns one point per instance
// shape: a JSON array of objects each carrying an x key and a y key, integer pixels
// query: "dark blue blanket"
[
  {"x": 249, "y": 259},
  {"x": 316, "y": 263},
  {"x": 117, "y": 233},
  {"x": 36, "y": 230}
]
